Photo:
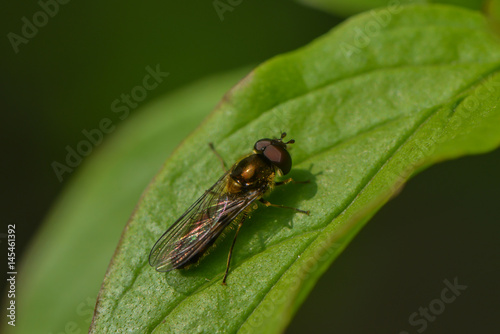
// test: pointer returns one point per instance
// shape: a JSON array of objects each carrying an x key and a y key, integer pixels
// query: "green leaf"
[
  {"x": 65, "y": 265},
  {"x": 368, "y": 109},
  {"x": 347, "y": 8},
  {"x": 492, "y": 11}
]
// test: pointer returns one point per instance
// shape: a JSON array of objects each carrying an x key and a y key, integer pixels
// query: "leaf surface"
[{"x": 366, "y": 114}]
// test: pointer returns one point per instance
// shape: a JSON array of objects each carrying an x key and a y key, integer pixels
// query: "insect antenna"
[{"x": 283, "y": 135}]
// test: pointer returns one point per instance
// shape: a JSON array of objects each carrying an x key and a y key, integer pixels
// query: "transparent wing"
[{"x": 198, "y": 226}]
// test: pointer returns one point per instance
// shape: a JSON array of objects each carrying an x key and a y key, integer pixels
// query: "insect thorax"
[{"x": 252, "y": 173}]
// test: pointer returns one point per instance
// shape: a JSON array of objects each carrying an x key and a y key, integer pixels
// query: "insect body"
[{"x": 229, "y": 199}]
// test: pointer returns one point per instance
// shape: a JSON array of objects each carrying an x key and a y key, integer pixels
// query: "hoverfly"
[{"x": 229, "y": 199}]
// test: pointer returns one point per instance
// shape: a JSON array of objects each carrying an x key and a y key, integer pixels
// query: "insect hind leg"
[{"x": 231, "y": 249}]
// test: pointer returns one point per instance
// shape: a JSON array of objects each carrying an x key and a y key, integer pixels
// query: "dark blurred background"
[
  {"x": 445, "y": 223},
  {"x": 64, "y": 79}
]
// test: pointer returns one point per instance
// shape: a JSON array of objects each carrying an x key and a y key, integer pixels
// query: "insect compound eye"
[
  {"x": 279, "y": 156},
  {"x": 261, "y": 145}
]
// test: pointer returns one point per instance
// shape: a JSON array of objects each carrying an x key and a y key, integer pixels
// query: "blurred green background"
[{"x": 444, "y": 224}]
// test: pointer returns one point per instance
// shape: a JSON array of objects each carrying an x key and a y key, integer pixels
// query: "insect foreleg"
[
  {"x": 288, "y": 181},
  {"x": 218, "y": 156}
]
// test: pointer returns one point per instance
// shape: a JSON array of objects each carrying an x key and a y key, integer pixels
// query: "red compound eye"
[
  {"x": 275, "y": 151},
  {"x": 279, "y": 156},
  {"x": 261, "y": 145}
]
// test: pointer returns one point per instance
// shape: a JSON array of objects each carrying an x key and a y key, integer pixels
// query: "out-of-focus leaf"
[
  {"x": 348, "y": 8},
  {"x": 63, "y": 270}
]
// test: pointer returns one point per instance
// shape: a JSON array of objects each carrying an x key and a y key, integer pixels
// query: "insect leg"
[
  {"x": 288, "y": 181},
  {"x": 266, "y": 203},
  {"x": 231, "y": 249},
  {"x": 218, "y": 156}
]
